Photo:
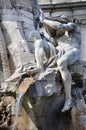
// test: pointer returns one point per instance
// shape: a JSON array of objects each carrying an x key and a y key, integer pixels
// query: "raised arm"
[
  {"x": 57, "y": 25},
  {"x": 47, "y": 21},
  {"x": 68, "y": 27}
]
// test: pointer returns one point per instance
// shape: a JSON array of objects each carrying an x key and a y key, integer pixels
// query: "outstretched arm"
[
  {"x": 57, "y": 25},
  {"x": 68, "y": 27}
]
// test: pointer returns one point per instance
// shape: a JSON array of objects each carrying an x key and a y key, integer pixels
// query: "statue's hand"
[{"x": 41, "y": 15}]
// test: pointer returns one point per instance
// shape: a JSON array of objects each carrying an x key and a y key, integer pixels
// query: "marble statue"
[{"x": 67, "y": 37}]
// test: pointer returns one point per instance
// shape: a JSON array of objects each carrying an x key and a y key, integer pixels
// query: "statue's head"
[{"x": 65, "y": 18}]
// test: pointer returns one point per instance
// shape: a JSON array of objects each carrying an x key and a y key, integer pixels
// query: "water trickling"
[{"x": 16, "y": 109}]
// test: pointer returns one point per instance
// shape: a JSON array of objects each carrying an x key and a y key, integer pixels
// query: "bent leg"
[
  {"x": 63, "y": 62},
  {"x": 39, "y": 55},
  {"x": 67, "y": 81}
]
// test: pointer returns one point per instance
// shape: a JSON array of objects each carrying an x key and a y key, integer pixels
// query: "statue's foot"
[{"x": 68, "y": 104}]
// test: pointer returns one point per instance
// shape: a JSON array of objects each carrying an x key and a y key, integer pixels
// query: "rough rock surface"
[{"x": 43, "y": 101}]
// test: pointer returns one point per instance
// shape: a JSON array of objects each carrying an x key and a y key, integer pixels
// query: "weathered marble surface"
[{"x": 43, "y": 101}]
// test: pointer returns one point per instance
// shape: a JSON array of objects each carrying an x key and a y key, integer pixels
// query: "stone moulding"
[{"x": 65, "y": 5}]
